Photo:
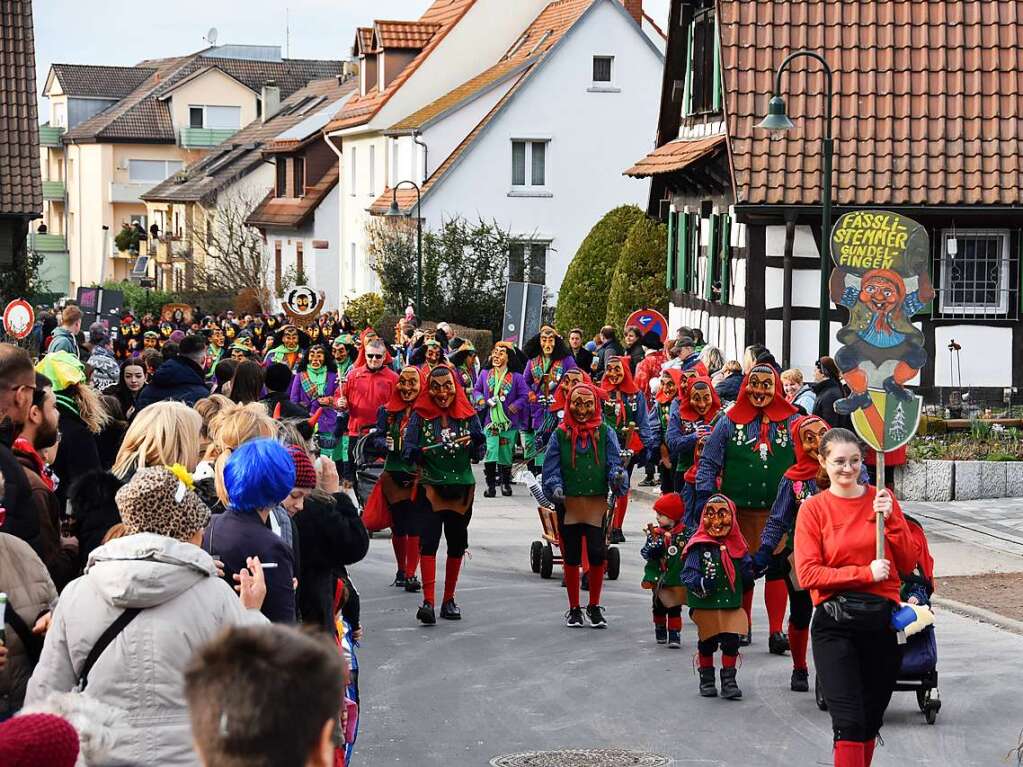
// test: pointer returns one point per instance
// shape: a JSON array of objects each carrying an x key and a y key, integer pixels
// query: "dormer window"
[
  {"x": 282, "y": 178},
  {"x": 299, "y": 166},
  {"x": 703, "y": 82}
]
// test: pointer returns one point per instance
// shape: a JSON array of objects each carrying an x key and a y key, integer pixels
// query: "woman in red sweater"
[{"x": 855, "y": 650}]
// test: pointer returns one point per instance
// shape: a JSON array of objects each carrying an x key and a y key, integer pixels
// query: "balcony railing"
[
  {"x": 204, "y": 137},
  {"x": 53, "y": 190},
  {"x": 49, "y": 135},
  {"x": 47, "y": 243}
]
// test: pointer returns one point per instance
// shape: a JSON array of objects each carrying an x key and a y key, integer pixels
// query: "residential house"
[
  {"x": 535, "y": 142},
  {"x": 204, "y": 206},
  {"x": 114, "y": 132},
  {"x": 927, "y": 114},
  {"x": 21, "y": 198}
]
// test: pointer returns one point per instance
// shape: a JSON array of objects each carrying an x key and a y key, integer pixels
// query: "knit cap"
[
  {"x": 38, "y": 739},
  {"x": 62, "y": 368},
  {"x": 670, "y": 505},
  {"x": 162, "y": 500},
  {"x": 305, "y": 472}
]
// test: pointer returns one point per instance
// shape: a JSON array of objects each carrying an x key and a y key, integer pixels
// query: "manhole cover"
[{"x": 581, "y": 757}]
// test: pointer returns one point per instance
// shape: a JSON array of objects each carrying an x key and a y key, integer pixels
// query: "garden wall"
[{"x": 934, "y": 480}]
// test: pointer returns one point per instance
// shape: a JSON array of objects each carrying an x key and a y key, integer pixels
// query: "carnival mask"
[
  {"x": 570, "y": 379},
  {"x": 614, "y": 372},
  {"x": 700, "y": 398},
  {"x": 314, "y": 332},
  {"x": 217, "y": 338},
  {"x": 166, "y": 329},
  {"x": 149, "y": 342},
  {"x": 442, "y": 389},
  {"x": 717, "y": 517},
  {"x": 302, "y": 302},
  {"x": 230, "y": 332},
  {"x": 810, "y": 434},
  {"x": 880, "y": 294},
  {"x": 340, "y": 352},
  {"x": 547, "y": 340},
  {"x": 409, "y": 385},
  {"x": 499, "y": 357},
  {"x": 433, "y": 353},
  {"x": 316, "y": 357},
  {"x": 136, "y": 328},
  {"x": 582, "y": 404},
  {"x": 669, "y": 389},
  {"x": 290, "y": 338},
  {"x": 760, "y": 387},
  {"x": 238, "y": 355}
]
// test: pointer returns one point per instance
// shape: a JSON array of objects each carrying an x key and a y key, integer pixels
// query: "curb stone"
[{"x": 980, "y": 614}]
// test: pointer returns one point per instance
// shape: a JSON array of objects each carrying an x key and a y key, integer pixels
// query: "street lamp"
[
  {"x": 778, "y": 120},
  {"x": 395, "y": 212}
]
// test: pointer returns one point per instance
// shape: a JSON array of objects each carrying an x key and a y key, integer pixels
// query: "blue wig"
[{"x": 258, "y": 475}]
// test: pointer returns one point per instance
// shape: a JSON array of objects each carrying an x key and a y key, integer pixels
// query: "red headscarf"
[
  {"x": 676, "y": 375},
  {"x": 397, "y": 405},
  {"x": 806, "y": 466},
  {"x": 742, "y": 412},
  {"x": 685, "y": 409},
  {"x": 628, "y": 384},
  {"x": 733, "y": 546},
  {"x": 559, "y": 401},
  {"x": 583, "y": 432},
  {"x": 459, "y": 409},
  {"x": 360, "y": 361}
]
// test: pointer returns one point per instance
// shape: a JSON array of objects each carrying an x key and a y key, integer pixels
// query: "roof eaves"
[{"x": 196, "y": 75}]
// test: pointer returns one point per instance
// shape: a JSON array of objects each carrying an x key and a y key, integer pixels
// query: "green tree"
[
  {"x": 638, "y": 280},
  {"x": 583, "y": 298},
  {"x": 365, "y": 310}
]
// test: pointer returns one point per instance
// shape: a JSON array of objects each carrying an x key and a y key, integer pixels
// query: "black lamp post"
[
  {"x": 778, "y": 120},
  {"x": 395, "y": 212}
]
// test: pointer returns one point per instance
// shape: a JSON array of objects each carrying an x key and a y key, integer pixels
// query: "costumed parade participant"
[
  {"x": 670, "y": 388},
  {"x": 663, "y": 572},
  {"x": 690, "y": 423},
  {"x": 626, "y": 410},
  {"x": 558, "y": 405},
  {"x": 502, "y": 397},
  {"x": 444, "y": 438},
  {"x": 463, "y": 359},
  {"x": 549, "y": 357},
  {"x": 289, "y": 342},
  {"x": 749, "y": 450},
  {"x": 717, "y": 569},
  {"x": 242, "y": 349},
  {"x": 314, "y": 388},
  {"x": 581, "y": 467},
  {"x": 802, "y": 480},
  {"x": 344, "y": 353},
  {"x": 151, "y": 340},
  {"x": 398, "y": 481},
  {"x": 429, "y": 355}
]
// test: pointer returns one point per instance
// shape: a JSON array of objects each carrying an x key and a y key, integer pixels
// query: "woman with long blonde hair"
[{"x": 163, "y": 434}]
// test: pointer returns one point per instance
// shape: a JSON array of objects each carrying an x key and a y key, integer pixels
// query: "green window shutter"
[
  {"x": 682, "y": 248},
  {"x": 687, "y": 91},
  {"x": 717, "y": 66},
  {"x": 726, "y": 255},
  {"x": 708, "y": 291},
  {"x": 937, "y": 240},
  {"x": 670, "y": 267}
]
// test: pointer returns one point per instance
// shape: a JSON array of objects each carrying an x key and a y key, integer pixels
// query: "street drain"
[{"x": 581, "y": 757}]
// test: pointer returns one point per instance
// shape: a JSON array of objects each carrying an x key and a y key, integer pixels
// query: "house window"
[
  {"x": 703, "y": 76},
  {"x": 299, "y": 260},
  {"x": 152, "y": 171},
  {"x": 529, "y": 163},
  {"x": 214, "y": 117},
  {"x": 282, "y": 177},
  {"x": 196, "y": 117},
  {"x": 351, "y": 172},
  {"x": 372, "y": 170},
  {"x": 277, "y": 266},
  {"x": 211, "y": 224},
  {"x": 299, "y": 176},
  {"x": 974, "y": 272},
  {"x": 527, "y": 262},
  {"x": 602, "y": 70}
]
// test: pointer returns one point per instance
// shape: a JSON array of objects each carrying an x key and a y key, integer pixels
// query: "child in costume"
[
  {"x": 626, "y": 410},
  {"x": 717, "y": 567},
  {"x": 690, "y": 423},
  {"x": 314, "y": 388},
  {"x": 581, "y": 466},
  {"x": 444, "y": 438},
  {"x": 398, "y": 480},
  {"x": 663, "y": 572},
  {"x": 502, "y": 398}
]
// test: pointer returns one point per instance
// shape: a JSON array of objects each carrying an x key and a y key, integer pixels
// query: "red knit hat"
[
  {"x": 305, "y": 473},
  {"x": 36, "y": 739},
  {"x": 670, "y": 505}
]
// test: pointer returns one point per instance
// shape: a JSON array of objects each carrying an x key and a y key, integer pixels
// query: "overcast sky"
[{"x": 123, "y": 32}]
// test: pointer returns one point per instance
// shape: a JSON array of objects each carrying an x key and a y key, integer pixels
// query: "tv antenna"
[{"x": 211, "y": 36}]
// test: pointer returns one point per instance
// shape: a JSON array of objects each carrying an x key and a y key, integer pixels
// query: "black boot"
[
  {"x": 661, "y": 634},
  {"x": 426, "y": 615},
  {"x": 729, "y": 689},
  {"x": 412, "y": 584},
  {"x": 800, "y": 681},
  {"x": 674, "y": 640},
  {"x": 399, "y": 580},
  {"x": 506, "y": 489},
  {"x": 708, "y": 688},
  {"x": 490, "y": 474},
  {"x": 778, "y": 643},
  {"x": 449, "y": 611},
  {"x": 747, "y": 639}
]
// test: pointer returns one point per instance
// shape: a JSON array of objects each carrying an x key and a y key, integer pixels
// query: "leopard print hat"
[{"x": 161, "y": 500}]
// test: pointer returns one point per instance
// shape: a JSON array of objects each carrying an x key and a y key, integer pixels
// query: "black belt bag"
[{"x": 867, "y": 612}]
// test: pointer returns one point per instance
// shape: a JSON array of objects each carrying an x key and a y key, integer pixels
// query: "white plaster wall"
[
  {"x": 737, "y": 293},
  {"x": 214, "y": 88},
  {"x": 985, "y": 358},
  {"x": 803, "y": 245},
  {"x": 326, "y": 262},
  {"x": 593, "y": 136},
  {"x": 805, "y": 287}
]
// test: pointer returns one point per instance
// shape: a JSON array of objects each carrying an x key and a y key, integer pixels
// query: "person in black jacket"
[
  {"x": 728, "y": 387},
  {"x": 829, "y": 388},
  {"x": 609, "y": 347},
  {"x": 17, "y": 383},
  {"x": 278, "y": 382},
  {"x": 181, "y": 378}
]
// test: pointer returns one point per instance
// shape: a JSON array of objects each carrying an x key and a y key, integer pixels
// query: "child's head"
[
  {"x": 669, "y": 509},
  {"x": 262, "y": 696}
]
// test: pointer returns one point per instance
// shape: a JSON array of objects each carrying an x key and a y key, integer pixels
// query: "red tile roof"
[
  {"x": 291, "y": 212},
  {"x": 20, "y": 186},
  {"x": 928, "y": 100},
  {"x": 363, "y": 40},
  {"x": 676, "y": 155},
  {"x": 404, "y": 34}
]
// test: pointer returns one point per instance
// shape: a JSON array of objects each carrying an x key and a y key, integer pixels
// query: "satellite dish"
[{"x": 211, "y": 36}]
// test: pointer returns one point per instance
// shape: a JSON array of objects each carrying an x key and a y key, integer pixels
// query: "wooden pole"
[{"x": 880, "y": 517}]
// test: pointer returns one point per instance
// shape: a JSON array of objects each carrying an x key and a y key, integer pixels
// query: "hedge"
[{"x": 638, "y": 281}]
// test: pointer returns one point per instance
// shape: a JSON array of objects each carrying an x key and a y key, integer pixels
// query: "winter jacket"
[
  {"x": 805, "y": 398},
  {"x": 21, "y": 518},
  {"x": 288, "y": 408},
  {"x": 77, "y": 454},
  {"x": 728, "y": 388},
  {"x": 61, "y": 562},
  {"x": 828, "y": 392},
  {"x": 648, "y": 370},
  {"x": 178, "y": 379},
  {"x": 184, "y": 605},
  {"x": 105, "y": 371},
  {"x": 92, "y": 506},
  {"x": 366, "y": 390},
  {"x": 635, "y": 353},
  {"x": 604, "y": 351},
  {"x": 62, "y": 341},
  {"x": 30, "y": 593}
]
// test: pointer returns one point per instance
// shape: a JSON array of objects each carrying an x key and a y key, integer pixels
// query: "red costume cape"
[
  {"x": 460, "y": 409},
  {"x": 743, "y": 411},
  {"x": 628, "y": 384},
  {"x": 732, "y": 547},
  {"x": 584, "y": 432},
  {"x": 685, "y": 408},
  {"x": 805, "y": 467}
]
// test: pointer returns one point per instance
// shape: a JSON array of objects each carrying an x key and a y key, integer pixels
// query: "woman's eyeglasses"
[{"x": 842, "y": 464}]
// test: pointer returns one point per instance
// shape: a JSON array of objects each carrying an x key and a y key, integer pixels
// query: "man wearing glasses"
[
  {"x": 363, "y": 393},
  {"x": 17, "y": 385}
]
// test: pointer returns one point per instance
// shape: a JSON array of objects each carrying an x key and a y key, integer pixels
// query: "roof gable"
[
  {"x": 91, "y": 81},
  {"x": 403, "y": 34},
  {"x": 20, "y": 185},
  {"x": 201, "y": 73}
]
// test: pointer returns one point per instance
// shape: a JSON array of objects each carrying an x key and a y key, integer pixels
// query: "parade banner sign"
[
  {"x": 19, "y": 317},
  {"x": 178, "y": 314},
  {"x": 881, "y": 277},
  {"x": 302, "y": 304},
  {"x": 647, "y": 320}
]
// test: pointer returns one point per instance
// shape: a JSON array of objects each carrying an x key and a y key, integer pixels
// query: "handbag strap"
[
  {"x": 33, "y": 644},
  {"x": 104, "y": 640}
]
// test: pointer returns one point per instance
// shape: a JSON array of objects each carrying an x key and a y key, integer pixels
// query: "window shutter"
[
  {"x": 687, "y": 93},
  {"x": 671, "y": 266},
  {"x": 717, "y": 66},
  {"x": 683, "y": 251},
  {"x": 726, "y": 255},
  {"x": 708, "y": 282}
]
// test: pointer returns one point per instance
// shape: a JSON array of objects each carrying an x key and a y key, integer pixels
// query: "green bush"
[
  {"x": 365, "y": 310},
  {"x": 638, "y": 280},
  {"x": 583, "y": 298}
]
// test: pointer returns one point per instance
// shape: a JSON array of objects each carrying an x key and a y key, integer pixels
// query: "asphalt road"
[{"x": 510, "y": 677}]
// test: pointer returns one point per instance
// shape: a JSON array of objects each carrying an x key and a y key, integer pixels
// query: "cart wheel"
[
  {"x": 931, "y": 714},
  {"x": 535, "y": 552},
  {"x": 546, "y": 561},
  {"x": 818, "y": 694},
  {"x": 614, "y": 563},
  {"x": 923, "y": 697}
]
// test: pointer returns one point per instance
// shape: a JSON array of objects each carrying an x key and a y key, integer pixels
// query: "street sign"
[
  {"x": 523, "y": 306},
  {"x": 147, "y": 282},
  {"x": 647, "y": 320},
  {"x": 19, "y": 318}
]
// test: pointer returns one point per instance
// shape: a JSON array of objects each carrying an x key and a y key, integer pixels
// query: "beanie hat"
[
  {"x": 161, "y": 500},
  {"x": 62, "y": 368},
  {"x": 98, "y": 334},
  {"x": 305, "y": 473},
  {"x": 35, "y": 739},
  {"x": 259, "y": 474},
  {"x": 670, "y": 505}
]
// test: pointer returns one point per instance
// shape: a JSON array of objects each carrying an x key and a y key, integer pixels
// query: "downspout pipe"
[
  {"x": 426, "y": 154},
  {"x": 340, "y": 224}
]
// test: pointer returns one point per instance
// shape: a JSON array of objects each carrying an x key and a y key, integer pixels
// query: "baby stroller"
[
  {"x": 369, "y": 455},
  {"x": 919, "y": 672}
]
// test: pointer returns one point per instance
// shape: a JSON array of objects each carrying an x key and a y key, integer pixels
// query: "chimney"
[
  {"x": 271, "y": 98},
  {"x": 635, "y": 9}
]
